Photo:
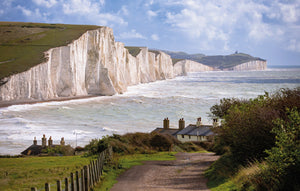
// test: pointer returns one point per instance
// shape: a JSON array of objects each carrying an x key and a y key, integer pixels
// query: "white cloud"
[
  {"x": 46, "y": 3},
  {"x": 151, "y": 13},
  {"x": 124, "y": 10},
  {"x": 294, "y": 45},
  {"x": 224, "y": 20},
  {"x": 25, "y": 11},
  {"x": 81, "y": 7},
  {"x": 91, "y": 10},
  {"x": 154, "y": 37},
  {"x": 131, "y": 34},
  {"x": 1, "y": 11}
]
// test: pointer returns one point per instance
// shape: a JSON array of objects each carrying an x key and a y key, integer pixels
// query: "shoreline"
[{"x": 60, "y": 99}]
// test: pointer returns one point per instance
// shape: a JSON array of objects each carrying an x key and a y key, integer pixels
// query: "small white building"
[{"x": 195, "y": 133}]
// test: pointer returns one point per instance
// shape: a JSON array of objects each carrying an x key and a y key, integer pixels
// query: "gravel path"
[{"x": 184, "y": 173}]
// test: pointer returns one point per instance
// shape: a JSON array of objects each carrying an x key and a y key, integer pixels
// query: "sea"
[{"x": 141, "y": 108}]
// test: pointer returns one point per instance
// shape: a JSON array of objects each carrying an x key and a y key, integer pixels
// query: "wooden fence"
[{"x": 85, "y": 179}]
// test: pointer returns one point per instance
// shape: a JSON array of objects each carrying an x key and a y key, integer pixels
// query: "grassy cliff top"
[
  {"x": 22, "y": 45},
  {"x": 133, "y": 50}
]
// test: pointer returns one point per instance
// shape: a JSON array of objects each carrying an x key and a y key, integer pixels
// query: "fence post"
[
  {"x": 47, "y": 187},
  {"x": 72, "y": 181},
  {"x": 82, "y": 179},
  {"x": 86, "y": 178},
  {"x": 33, "y": 189},
  {"x": 77, "y": 181},
  {"x": 66, "y": 184},
  {"x": 58, "y": 185},
  {"x": 91, "y": 175}
]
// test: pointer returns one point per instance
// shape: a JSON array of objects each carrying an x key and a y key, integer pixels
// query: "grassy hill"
[
  {"x": 218, "y": 61},
  {"x": 22, "y": 45}
]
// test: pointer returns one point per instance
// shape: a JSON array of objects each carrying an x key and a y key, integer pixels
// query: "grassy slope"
[
  {"x": 133, "y": 50},
  {"x": 24, "y": 173},
  {"x": 22, "y": 45}
]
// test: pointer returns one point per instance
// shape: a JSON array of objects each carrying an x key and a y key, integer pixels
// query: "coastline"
[{"x": 23, "y": 102}]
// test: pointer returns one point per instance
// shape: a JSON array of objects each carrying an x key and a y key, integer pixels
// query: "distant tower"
[
  {"x": 62, "y": 141},
  {"x": 44, "y": 141},
  {"x": 166, "y": 123},
  {"x": 215, "y": 122},
  {"x": 34, "y": 141},
  {"x": 181, "y": 124},
  {"x": 50, "y": 142},
  {"x": 199, "y": 122}
]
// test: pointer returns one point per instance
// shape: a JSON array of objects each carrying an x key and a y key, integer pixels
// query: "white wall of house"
[{"x": 186, "y": 138}]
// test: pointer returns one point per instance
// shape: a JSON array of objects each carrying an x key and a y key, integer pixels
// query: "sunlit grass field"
[{"x": 22, "y": 45}]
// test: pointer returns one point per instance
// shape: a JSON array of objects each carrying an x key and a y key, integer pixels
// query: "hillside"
[
  {"x": 217, "y": 61},
  {"x": 22, "y": 45}
]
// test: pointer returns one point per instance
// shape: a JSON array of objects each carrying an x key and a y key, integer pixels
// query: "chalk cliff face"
[
  {"x": 252, "y": 65},
  {"x": 185, "y": 66},
  {"x": 94, "y": 64}
]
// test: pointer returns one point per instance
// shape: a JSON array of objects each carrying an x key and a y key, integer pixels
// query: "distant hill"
[{"x": 218, "y": 61}]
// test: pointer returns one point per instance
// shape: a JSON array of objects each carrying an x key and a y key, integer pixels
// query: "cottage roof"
[
  {"x": 203, "y": 130},
  {"x": 33, "y": 150},
  {"x": 172, "y": 132}
]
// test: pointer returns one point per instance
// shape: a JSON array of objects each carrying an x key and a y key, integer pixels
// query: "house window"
[
  {"x": 189, "y": 136},
  {"x": 182, "y": 136}
]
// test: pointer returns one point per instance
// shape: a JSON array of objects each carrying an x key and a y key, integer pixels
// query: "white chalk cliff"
[
  {"x": 94, "y": 64},
  {"x": 251, "y": 65},
  {"x": 185, "y": 66}
]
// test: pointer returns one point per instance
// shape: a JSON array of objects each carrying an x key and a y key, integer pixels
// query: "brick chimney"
[
  {"x": 50, "y": 142},
  {"x": 199, "y": 122},
  {"x": 166, "y": 123},
  {"x": 34, "y": 141},
  {"x": 44, "y": 141},
  {"x": 215, "y": 122},
  {"x": 181, "y": 124},
  {"x": 62, "y": 141}
]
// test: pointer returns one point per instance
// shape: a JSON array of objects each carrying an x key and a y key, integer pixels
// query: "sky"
[{"x": 269, "y": 29}]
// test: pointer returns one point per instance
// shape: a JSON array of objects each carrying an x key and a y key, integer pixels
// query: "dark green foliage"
[
  {"x": 283, "y": 163},
  {"x": 59, "y": 150},
  {"x": 133, "y": 143},
  {"x": 248, "y": 130}
]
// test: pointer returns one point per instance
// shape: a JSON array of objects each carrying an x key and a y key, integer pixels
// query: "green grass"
[
  {"x": 221, "y": 185},
  {"x": 133, "y": 50},
  {"x": 24, "y": 173},
  {"x": 127, "y": 161},
  {"x": 22, "y": 45}
]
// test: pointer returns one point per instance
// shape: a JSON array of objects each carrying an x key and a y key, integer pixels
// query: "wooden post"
[
  {"x": 77, "y": 181},
  {"x": 47, "y": 187},
  {"x": 86, "y": 178},
  {"x": 90, "y": 175},
  {"x": 72, "y": 181},
  {"x": 66, "y": 184},
  {"x": 58, "y": 185},
  {"x": 82, "y": 179},
  {"x": 33, "y": 189}
]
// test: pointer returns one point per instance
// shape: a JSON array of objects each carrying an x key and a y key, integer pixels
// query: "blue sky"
[{"x": 269, "y": 29}]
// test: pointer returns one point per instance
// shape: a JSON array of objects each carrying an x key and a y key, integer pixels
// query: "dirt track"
[{"x": 184, "y": 173}]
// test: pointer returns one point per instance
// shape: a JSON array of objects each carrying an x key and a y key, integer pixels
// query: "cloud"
[
  {"x": 151, "y": 14},
  {"x": 124, "y": 10},
  {"x": 223, "y": 21},
  {"x": 154, "y": 37},
  {"x": 91, "y": 10},
  {"x": 131, "y": 34},
  {"x": 46, "y": 3},
  {"x": 25, "y": 11}
]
